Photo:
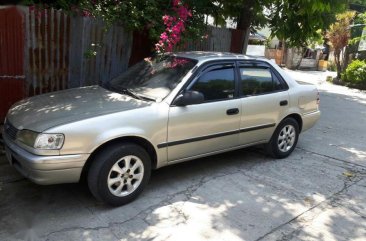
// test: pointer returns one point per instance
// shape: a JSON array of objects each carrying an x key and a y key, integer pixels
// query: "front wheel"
[
  {"x": 119, "y": 173},
  {"x": 284, "y": 139}
]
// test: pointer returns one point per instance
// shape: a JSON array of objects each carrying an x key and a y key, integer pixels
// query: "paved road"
[{"x": 318, "y": 193}]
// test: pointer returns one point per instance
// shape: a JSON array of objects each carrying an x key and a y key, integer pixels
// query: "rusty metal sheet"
[
  {"x": 142, "y": 47},
  {"x": 236, "y": 44},
  {"x": 48, "y": 42},
  {"x": 44, "y": 50},
  {"x": 11, "y": 58}
]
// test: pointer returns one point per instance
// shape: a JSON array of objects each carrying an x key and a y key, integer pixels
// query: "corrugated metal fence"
[
  {"x": 47, "y": 50},
  {"x": 70, "y": 51},
  {"x": 218, "y": 39},
  {"x": 12, "y": 77},
  {"x": 97, "y": 55}
]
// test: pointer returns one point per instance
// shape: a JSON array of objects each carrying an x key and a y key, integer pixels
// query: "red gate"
[{"x": 12, "y": 86}]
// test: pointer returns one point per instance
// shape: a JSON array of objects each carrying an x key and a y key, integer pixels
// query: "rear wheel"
[
  {"x": 119, "y": 173},
  {"x": 284, "y": 139}
]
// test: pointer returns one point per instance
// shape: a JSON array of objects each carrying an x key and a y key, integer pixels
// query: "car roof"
[
  {"x": 203, "y": 56},
  {"x": 206, "y": 55}
]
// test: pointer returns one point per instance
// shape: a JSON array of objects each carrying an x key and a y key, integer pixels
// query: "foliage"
[
  {"x": 147, "y": 15},
  {"x": 296, "y": 21},
  {"x": 339, "y": 32},
  {"x": 356, "y": 30},
  {"x": 300, "y": 20},
  {"x": 134, "y": 15},
  {"x": 66, "y": 5},
  {"x": 359, "y": 25},
  {"x": 249, "y": 15},
  {"x": 355, "y": 74},
  {"x": 360, "y": 2},
  {"x": 331, "y": 66},
  {"x": 317, "y": 40},
  {"x": 246, "y": 13},
  {"x": 339, "y": 35}
]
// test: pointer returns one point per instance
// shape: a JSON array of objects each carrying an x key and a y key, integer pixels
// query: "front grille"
[{"x": 10, "y": 130}]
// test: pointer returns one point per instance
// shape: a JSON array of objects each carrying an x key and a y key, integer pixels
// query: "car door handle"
[
  {"x": 233, "y": 111},
  {"x": 283, "y": 102}
]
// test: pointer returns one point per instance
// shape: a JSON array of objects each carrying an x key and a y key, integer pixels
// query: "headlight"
[
  {"x": 40, "y": 140},
  {"x": 27, "y": 137},
  {"x": 49, "y": 141}
]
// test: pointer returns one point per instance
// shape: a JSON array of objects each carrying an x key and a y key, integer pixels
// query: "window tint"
[
  {"x": 217, "y": 84},
  {"x": 277, "y": 85},
  {"x": 257, "y": 81}
]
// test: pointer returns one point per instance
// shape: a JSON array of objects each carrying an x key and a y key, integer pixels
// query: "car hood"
[{"x": 42, "y": 112}]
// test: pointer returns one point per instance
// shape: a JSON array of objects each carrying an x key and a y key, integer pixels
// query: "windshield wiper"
[
  {"x": 134, "y": 95},
  {"x": 129, "y": 92},
  {"x": 147, "y": 98},
  {"x": 126, "y": 91}
]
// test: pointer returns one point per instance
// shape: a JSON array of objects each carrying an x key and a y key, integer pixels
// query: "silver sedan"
[{"x": 164, "y": 110}]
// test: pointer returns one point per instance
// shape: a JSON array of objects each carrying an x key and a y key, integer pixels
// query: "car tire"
[
  {"x": 119, "y": 173},
  {"x": 284, "y": 139}
]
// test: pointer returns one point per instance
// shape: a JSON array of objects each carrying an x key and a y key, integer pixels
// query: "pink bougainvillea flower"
[
  {"x": 164, "y": 36},
  {"x": 175, "y": 26},
  {"x": 165, "y": 19}
]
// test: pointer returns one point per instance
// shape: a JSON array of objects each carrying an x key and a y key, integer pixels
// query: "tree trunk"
[
  {"x": 244, "y": 21},
  {"x": 337, "y": 55},
  {"x": 345, "y": 58},
  {"x": 301, "y": 57},
  {"x": 246, "y": 41},
  {"x": 284, "y": 56}
]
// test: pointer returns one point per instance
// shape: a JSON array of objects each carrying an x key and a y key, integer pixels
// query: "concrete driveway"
[{"x": 318, "y": 193}]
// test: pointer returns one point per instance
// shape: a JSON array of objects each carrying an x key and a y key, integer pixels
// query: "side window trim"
[
  {"x": 200, "y": 69},
  {"x": 280, "y": 78},
  {"x": 260, "y": 65},
  {"x": 283, "y": 86},
  {"x": 213, "y": 66},
  {"x": 237, "y": 93},
  {"x": 254, "y": 63},
  {"x": 207, "y": 69}
]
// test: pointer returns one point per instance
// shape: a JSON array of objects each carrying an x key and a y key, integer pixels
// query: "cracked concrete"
[{"x": 318, "y": 193}]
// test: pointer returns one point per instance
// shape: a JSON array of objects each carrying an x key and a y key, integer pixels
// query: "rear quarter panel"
[
  {"x": 305, "y": 96},
  {"x": 303, "y": 100}
]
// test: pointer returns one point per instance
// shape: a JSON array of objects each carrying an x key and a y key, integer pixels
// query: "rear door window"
[{"x": 258, "y": 81}]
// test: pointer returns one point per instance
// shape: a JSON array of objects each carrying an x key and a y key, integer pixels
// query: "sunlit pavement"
[{"x": 318, "y": 193}]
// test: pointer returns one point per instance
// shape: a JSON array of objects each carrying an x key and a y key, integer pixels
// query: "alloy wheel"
[{"x": 125, "y": 176}]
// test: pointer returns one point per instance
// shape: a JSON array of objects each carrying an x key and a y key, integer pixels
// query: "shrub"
[{"x": 355, "y": 74}]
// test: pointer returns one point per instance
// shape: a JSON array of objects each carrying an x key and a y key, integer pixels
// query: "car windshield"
[{"x": 152, "y": 78}]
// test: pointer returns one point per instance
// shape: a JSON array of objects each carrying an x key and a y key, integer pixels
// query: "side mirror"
[{"x": 189, "y": 98}]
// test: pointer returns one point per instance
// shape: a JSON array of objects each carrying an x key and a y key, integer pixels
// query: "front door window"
[{"x": 216, "y": 84}]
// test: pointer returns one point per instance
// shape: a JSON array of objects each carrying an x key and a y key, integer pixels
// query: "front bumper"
[{"x": 45, "y": 169}]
